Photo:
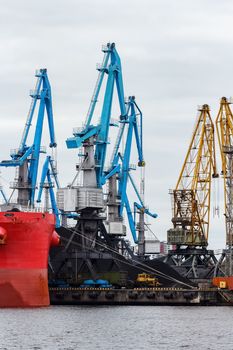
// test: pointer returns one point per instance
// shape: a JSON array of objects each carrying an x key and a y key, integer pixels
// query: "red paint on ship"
[{"x": 25, "y": 239}]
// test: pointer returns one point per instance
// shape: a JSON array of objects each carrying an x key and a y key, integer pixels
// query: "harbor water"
[{"x": 117, "y": 327}]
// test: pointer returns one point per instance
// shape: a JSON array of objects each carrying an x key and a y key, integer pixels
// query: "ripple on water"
[{"x": 116, "y": 327}]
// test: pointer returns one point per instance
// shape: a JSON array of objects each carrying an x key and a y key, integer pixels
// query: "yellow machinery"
[
  {"x": 191, "y": 197},
  {"x": 145, "y": 279},
  {"x": 224, "y": 123}
]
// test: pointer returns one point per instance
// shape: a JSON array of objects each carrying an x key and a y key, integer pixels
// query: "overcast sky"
[{"x": 176, "y": 55}]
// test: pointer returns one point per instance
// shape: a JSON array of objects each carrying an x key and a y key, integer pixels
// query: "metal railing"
[
  {"x": 34, "y": 93},
  {"x": 15, "y": 151},
  {"x": 19, "y": 185},
  {"x": 38, "y": 209},
  {"x": 78, "y": 130},
  {"x": 106, "y": 48}
]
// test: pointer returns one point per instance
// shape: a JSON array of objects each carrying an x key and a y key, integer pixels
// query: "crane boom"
[
  {"x": 191, "y": 197},
  {"x": 112, "y": 68}
]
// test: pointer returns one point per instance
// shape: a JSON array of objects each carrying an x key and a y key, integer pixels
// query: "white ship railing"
[{"x": 21, "y": 208}]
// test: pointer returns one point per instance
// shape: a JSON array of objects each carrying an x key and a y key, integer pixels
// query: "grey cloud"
[{"x": 175, "y": 55}]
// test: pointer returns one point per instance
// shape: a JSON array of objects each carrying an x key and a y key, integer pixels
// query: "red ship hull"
[{"x": 25, "y": 239}]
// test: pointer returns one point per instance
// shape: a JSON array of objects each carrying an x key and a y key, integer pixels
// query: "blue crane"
[
  {"x": 97, "y": 135},
  {"x": 120, "y": 164},
  {"x": 27, "y": 157},
  {"x": 111, "y": 67}
]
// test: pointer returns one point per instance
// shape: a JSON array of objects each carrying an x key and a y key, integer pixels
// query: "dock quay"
[{"x": 140, "y": 296}]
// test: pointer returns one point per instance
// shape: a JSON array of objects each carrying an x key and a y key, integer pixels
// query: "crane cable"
[{"x": 149, "y": 268}]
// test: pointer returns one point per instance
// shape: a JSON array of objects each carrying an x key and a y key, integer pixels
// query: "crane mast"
[{"x": 224, "y": 124}]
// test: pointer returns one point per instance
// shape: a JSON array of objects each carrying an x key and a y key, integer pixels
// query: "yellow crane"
[
  {"x": 191, "y": 196},
  {"x": 224, "y": 124}
]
